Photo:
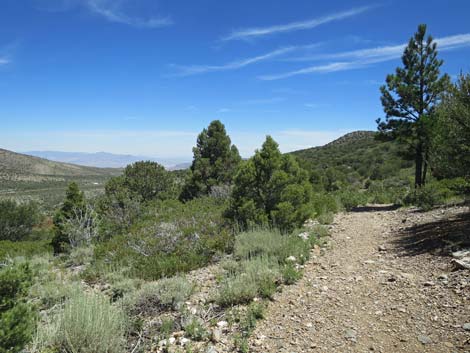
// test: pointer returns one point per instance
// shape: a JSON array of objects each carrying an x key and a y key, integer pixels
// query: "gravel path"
[{"x": 383, "y": 285}]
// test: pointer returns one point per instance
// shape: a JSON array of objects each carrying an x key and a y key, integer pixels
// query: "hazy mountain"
[{"x": 103, "y": 159}]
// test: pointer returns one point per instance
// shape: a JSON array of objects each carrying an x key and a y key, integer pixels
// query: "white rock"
[
  {"x": 291, "y": 259},
  {"x": 222, "y": 324}
]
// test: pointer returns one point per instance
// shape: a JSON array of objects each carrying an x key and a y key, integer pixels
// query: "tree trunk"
[
  {"x": 425, "y": 169},
  {"x": 419, "y": 166}
]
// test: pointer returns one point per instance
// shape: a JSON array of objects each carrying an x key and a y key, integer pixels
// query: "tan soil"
[{"x": 355, "y": 297}]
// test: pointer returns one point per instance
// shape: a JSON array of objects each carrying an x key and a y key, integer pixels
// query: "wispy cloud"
[
  {"x": 250, "y": 33},
  {"x": 112, "y": 12},
  {"x": 4, "y": 61},
  {"x": 365, "y": 57},
  {"x": 224, "y": 110},
  {"x": 234, "y": 65}
]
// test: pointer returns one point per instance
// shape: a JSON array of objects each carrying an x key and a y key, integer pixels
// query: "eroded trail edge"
[{"x": 385, "y": 283}]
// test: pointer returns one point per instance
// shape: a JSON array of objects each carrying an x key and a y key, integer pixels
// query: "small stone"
[
  {"x": 351, "y": 335},
  {"x": 184, "y": 341},
  {"x": 448, "y": 345},
  {"x": 428, "y": 284},
  {"x": 222, "y": 324},
  {"x": 466, "y": 326},
  {"x": 171, "y": 340},
  {"x": 424, "y": 339},
  {"x": 291, "y": 259},
  {"x": 442, "y": 277},
  {"x": 382, "y": 248},
  {"x": 309, "y": 324}
]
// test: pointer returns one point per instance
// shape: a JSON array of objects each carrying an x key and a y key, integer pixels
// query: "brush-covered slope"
[{"x": 356, "y": 157}]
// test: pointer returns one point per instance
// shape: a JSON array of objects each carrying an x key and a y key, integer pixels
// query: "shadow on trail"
[
  {"x": 375, "y": 208},
  {"x": 439, "y": 237}
]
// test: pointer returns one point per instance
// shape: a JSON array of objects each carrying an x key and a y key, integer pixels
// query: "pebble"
[
  {"x": 424, "y": 339},
  {"x": 466, "y": 326}
]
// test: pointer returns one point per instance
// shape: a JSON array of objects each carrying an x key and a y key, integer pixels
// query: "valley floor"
[{"x": 385, "y": 284}]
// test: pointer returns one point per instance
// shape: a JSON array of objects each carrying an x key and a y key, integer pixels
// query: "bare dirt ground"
[{"x": 386, "y": 283}]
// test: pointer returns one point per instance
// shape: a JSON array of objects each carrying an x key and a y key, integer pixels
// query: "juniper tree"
[{"x": 410, "y": 96}]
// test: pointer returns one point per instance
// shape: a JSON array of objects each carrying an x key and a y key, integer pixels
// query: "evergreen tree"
[
  {"x": 451, "y": 154},
  {"x": 410, "y": 96},
  {"x": 214, "y": 163},
  {"x": 74, "y": 201},
  {"x": 271, "y": 188}
]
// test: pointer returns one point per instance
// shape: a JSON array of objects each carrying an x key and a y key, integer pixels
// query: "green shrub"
[
  {"x": 194, "y": 329},
  {"x": 17, "y": 220},
  {"x": 28, "y": 249},
  {"x": 290, "y": 274},
  {"x": 88, "y": 323},
  {"x": 239, "y": 289},
  {"x": 326, "y": 218},
  {"x": 16, "y": 316},
  {"x": 153, "y": 297},
  {"x": 428, "y": 196},
  {"x": 256, "y": 277},
  {"x": 351, "y": 199},
  {"x": 271, "y": 244}
]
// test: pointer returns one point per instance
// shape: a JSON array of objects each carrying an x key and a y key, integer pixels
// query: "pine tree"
[
  {"x": 410, "y": 96},
  {"x": 214, "y": 163}
]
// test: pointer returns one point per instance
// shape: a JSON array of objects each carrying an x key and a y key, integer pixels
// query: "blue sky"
[{"x": 145, "y": 76}]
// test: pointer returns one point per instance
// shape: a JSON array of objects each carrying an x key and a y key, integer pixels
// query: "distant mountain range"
[{"x": 106, "y": 160}]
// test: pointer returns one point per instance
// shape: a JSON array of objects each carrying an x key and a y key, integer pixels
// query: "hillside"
[
  {"x": 27, "y": 177},
  {"x": 356, "y": 157}
]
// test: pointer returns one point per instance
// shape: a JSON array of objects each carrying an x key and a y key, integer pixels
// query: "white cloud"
[
  {"x": 200, "y": 69},
  {"x": 365, "y": 57},
  {"x": 112, "y": 12},
  {"x": 4, "y": 61},
  {"x": 249, "y": 33}
]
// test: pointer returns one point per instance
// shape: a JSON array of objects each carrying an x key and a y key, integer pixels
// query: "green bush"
[
  {"x": 271, "y": 244},
  {"x": 194, "y": 329},
  {"x": 88, "y": 323},
  {"x": 351, "y": 198},
  {"x": 256, "y": 277},
  {"x": 17, "y": 220},
  {"x": 165, "y": 294},
  {"x": 28, "y": 249},
  {"x": 290, "y": 274},
  {"x": 16, "y": 316}
]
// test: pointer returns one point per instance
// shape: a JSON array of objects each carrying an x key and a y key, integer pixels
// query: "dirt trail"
[{"x": 381, "y": 286}]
